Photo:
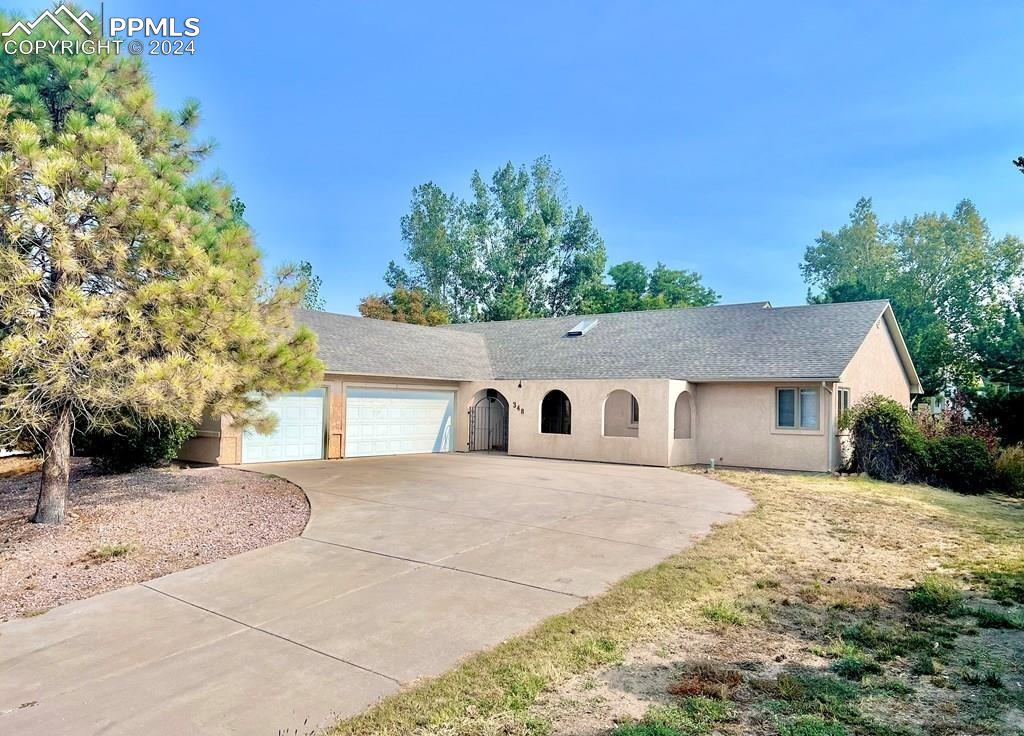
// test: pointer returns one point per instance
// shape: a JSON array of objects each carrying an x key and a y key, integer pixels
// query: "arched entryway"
[{"x": 488, "y": 422}]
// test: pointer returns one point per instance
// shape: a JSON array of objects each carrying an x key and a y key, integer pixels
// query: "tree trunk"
[{"x": 53, "y": 488}]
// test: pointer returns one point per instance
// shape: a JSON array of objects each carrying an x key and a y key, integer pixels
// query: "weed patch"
[
  {"x": 724, "y": 612},
  {"x": 936, "y": 595}
]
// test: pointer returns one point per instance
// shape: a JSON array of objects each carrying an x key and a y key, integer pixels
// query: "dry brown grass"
[
  {"x": 18, "y": 465},
  {"x": 818, "y": 556}
]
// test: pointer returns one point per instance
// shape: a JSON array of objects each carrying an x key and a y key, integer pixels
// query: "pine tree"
[{"x": 129, "y": 290}]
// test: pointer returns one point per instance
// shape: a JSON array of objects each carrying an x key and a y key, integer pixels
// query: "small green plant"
[
  {"x": 936, "y": 595},
  {"x": 923, "y": 664},
  {"x": 107, "y": 552},
  {"x": 811, "y": 726},
  {"x": 692, "y": 717},
  {"x": 991, "y": 678},
  {"x": 891, "y": 686},
  {"x": 856, "y": 667},
  {"x": 824, "y": 695},
  {"x": 645, "y": 729},
  {"x": 971, "y": 677},
  {"x": 724, "y": 612}
]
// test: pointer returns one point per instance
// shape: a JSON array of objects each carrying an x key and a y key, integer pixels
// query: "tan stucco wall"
[
  {"x": 734, "y": 423},
  {"x": 736, "y": 426},
  {"x": 649, "y": 447},
  {"x": 876, "y": 368}
]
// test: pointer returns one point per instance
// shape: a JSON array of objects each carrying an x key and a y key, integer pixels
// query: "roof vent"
[{"x": 582, "y": 328}]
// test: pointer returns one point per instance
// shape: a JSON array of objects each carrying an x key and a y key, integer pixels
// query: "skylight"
[{"x": 582, "y": 328}]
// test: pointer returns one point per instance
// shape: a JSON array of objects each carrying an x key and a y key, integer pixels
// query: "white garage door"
[
  {"x": 397, "y": 421},
  {"x": 299, "y": 434}
]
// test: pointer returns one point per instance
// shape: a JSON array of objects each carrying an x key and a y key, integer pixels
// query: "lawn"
[{"x": 837, "y": 606}]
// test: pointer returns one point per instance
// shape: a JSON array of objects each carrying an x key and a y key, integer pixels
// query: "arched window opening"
[
  {"x": 621, "y": 415},
  {"x": 556, "y": 414}
]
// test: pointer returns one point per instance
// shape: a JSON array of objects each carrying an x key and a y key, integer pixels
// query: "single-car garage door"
[
  {"x": 299, "y": 434},
  {"x": 387, "y": 421}
]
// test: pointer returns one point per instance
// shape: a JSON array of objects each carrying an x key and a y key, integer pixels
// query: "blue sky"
[{"x": 715, "y": 137}]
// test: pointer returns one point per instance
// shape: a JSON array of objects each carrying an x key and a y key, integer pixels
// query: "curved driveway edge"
[{"x": 407, "y": 565}]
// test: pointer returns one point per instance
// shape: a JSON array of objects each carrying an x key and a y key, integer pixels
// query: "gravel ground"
[{"x": 158, "y": 521}]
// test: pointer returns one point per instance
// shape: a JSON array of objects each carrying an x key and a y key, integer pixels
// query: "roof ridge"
[{"x": 583, "y": 315}]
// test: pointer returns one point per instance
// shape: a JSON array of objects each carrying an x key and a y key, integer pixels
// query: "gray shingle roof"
[
  {"x": 727, "y": 342},
  {"x": 374, "y": 347}
]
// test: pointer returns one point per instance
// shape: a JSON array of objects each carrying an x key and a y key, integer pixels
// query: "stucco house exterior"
[{"x": 747, "y": 385}]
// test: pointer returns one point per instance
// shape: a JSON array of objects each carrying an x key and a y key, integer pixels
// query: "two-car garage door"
[
  {"x": 378, "y": 421},
  {"x": 388, "y": 421}
]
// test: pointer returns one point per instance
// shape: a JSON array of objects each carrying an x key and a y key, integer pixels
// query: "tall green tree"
[
  {"x": 311, "y": 284},
  {"x": 947, "y": 277},
  {"x": 516, "y": 248},
  {"x": 633, "y": 287},
  {"x": 129, "y": 289}
]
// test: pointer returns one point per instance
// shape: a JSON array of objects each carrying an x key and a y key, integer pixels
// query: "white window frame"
[
  {"x": 797, "y": 419},
  {"x": 841, "y": 392}
]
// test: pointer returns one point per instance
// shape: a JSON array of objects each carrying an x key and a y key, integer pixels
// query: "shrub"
[
  {"x": 960, "y": 462},
  {"x": 1010, "y": 470},
  {"x": 151, "y": 444},
  {"x": 887, "y": 445},
  {"x": 936, "y": 595}
]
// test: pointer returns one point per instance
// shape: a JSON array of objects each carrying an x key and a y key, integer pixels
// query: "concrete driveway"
[{"x": 407, "y": 565}]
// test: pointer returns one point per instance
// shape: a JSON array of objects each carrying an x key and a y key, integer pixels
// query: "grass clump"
[
  {"x": 936, "y": 595},
  {"x": 811, "y": 726},
  {"x": 106, "y": 552},
  {"x": 724, "y": 612},
  {"x": 856, "y": 667},
  {"x": 923, "y": 664},
  {"x": 694, "y": 716},
  {"x": 810, "y": 694},
  {"x": 991, "y": 619}
]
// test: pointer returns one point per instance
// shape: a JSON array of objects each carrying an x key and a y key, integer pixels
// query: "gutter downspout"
[{"x": 831, "y": 431}]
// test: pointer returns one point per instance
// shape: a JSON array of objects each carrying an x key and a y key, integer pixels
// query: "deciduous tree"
[{"x": 949, "y": 280}]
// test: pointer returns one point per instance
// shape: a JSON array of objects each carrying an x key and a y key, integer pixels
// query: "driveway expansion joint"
[
  {"x": 449, "y": 567},
  {"x": 250, "y": 627}
]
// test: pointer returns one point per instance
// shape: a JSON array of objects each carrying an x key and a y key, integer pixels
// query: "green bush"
[
  {"x": 887, "y": 445},
  {"x": 1010, "y": 470},
  {"x": 961, "y": 463},
  {"x": 151, "y": 444}
]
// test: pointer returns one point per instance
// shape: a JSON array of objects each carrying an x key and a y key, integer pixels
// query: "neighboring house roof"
[{"x": 737, "y": 342}]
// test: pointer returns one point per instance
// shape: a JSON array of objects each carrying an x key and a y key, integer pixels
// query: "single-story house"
[{"x": 743, "y": 385}]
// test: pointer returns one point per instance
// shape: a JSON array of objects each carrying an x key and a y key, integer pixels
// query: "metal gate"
[{"x": 488, "y": 425}]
